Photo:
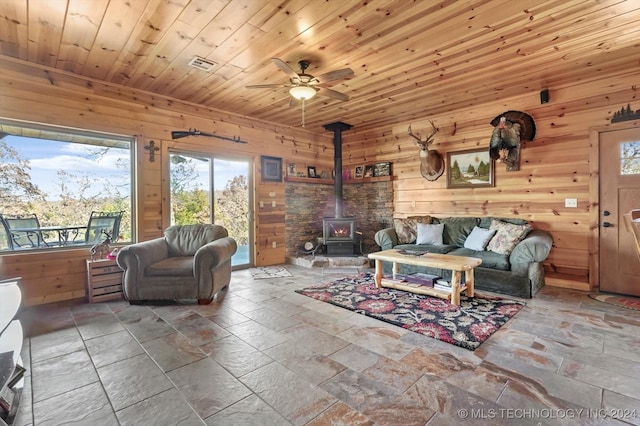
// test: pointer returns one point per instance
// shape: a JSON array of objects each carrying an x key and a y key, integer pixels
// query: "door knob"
[
  {"x": 606, "y": 213},
  {"x": 606, "y": 224}
]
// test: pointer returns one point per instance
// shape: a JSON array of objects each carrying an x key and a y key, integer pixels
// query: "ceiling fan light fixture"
[{"x": 302, "y": 92}]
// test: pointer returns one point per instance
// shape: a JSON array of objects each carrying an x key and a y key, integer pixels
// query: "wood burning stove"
[{"x": 339, "y": 235}]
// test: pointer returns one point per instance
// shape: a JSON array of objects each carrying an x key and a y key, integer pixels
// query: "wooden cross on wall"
[{"x": 152, "y": 148}]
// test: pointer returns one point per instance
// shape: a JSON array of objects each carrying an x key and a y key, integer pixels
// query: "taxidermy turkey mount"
[
  {"x": 510, "y": 129},
  {"x": 303, "y": 86}
]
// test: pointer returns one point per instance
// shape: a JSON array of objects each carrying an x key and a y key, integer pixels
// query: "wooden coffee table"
[{"x": 455, "y": 264}]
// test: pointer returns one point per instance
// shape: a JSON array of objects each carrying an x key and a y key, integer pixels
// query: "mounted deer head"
[{"x": 431, "y": 161}]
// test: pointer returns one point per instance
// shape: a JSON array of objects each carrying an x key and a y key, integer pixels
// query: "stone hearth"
[{"x": 320, "y": 261}]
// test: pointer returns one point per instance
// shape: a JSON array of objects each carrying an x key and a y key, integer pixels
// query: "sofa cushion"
[
  {"x": 429, "y": 234},
  {"x": 507, "y": 236},
  {"x": 489, "y": 259},
  {"x": 185, "y": 240},
  {"x": 456, "y": 229},
  {"x": 479, "y": 238},
  {"x": 177, "y": 266},
  {"x": 406, "y": 229}
]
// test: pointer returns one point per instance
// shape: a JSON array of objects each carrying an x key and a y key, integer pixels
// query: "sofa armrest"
[
  {"x": 214, "y": 254},
  {"x": 386, "y": 238},
  {"x": 534, "y": 248}
]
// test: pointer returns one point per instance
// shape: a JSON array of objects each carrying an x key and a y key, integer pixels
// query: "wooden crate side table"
[{"x": 104, "y": 280}]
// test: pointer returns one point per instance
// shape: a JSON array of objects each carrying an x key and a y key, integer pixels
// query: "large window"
[{"x": 61, "y": 187}]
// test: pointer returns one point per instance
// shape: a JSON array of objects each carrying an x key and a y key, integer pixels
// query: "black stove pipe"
[{"x": 337, "y": 128}]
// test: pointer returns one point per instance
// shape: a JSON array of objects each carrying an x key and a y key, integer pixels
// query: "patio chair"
[
  {"x": 99, "y": 226},
  {"x": 102, "y": 224},
  {"x": 17, "y": 240}
]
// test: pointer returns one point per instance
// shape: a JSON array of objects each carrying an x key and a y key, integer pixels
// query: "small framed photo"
[
  {"x": 469, "y": 169},
  {"x": 271, "y": 168},
  {"x": 359, "y": 172},
  {"x": 382, "y": 169},
  {"x": 291, "y": 169},
  {"x": 368, "y": 170},
  {"x": 311, "y": 171}
]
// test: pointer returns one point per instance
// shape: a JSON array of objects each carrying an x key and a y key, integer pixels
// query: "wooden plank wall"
[
  {"x": 554, "y": 166},
  {"x": 48, "y": 96}
]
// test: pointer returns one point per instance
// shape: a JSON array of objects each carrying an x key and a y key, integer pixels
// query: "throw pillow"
[
  {"x": 507, "y": 236},
  {"x": 429, "y": 234},
  {"x": 479, "y": 238},
  {"x": 406, "y": 229}
]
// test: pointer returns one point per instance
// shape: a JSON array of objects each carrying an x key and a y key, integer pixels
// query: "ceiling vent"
[{"x": 202, "y": 64}]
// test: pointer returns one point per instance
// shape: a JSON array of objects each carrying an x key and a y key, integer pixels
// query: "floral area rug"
[
  {"x": 269, "y": 272},
  {"x": 622, "y": 301},
  {"x": 467, "y": 325}
]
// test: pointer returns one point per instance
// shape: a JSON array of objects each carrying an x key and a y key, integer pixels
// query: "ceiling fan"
[{"x": 303, "y": 86}]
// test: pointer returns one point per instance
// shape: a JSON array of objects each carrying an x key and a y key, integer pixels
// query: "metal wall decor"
[
  {"x": 152, "y": 148},
  {"x": 625, "y": 114}
]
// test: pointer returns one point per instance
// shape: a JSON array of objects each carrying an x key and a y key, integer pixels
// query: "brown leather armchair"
[{"x": 189, "y": 262}]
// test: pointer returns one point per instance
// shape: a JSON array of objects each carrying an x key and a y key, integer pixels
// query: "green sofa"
[{"x": 518, "y": 273}]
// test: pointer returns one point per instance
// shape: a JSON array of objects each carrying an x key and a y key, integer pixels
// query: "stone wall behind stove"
[{"x": 371, "y": 203}]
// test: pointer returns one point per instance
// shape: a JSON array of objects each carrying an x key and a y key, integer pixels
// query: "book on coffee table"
[{"x": 421, "y": 278}]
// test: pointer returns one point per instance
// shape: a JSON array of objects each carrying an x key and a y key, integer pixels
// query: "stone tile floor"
[{"x": 262, "y": 354}]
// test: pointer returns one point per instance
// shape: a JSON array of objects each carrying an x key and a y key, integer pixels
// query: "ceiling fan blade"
[
  {"x": 266, "y": 86},
  {"x": 284, "y": 67},
  {"x": 335, "y": 75},
  {"x": 332, "y": 94}
]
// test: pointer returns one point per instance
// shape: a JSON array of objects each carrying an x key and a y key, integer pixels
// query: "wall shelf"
[{"x": 331, "y": 181}]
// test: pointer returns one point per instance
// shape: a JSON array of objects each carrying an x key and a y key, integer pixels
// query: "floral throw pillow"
[
  {"x": 507, "y": 236},
  {"x": 407, "y": 229}
]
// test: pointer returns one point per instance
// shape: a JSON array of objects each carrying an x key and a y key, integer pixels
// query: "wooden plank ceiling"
[{"x": 412, "y": 59}]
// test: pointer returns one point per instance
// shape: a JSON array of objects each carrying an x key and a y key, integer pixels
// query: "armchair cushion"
[
  {"x": 185, "y": 240},
  {"x": 176, "y": 266}
]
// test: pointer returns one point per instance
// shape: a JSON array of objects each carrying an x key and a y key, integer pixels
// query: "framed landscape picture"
[
  {"x": 469, "y": 169},
  {"x": 271, "y": 168}
]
